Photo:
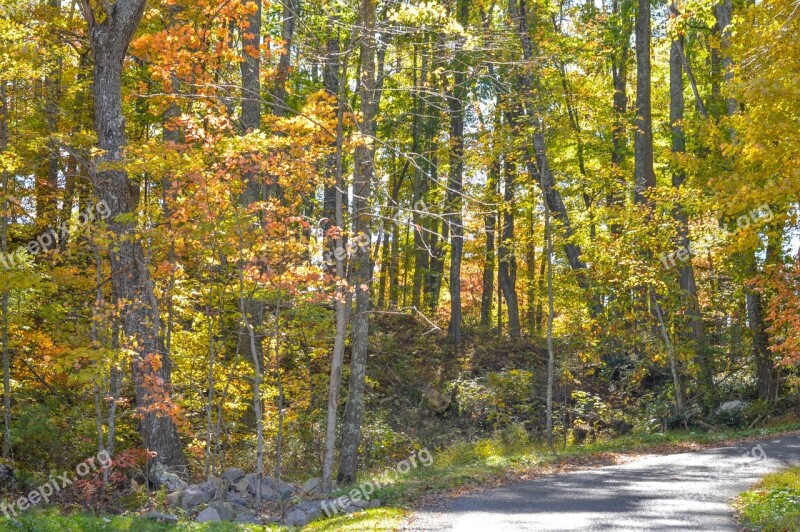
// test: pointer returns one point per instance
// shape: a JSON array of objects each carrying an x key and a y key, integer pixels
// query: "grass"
[
  {"x": 49, "y": 520},
  {"x": 773, "y": 505},
  {"x": 459, "y": 468}
]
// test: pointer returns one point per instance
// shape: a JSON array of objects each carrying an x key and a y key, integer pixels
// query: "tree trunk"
[
  {"x": 342, "y": 297},
  {"x": 490, "y": 224},
  {"x": 361, "y": 263},
  {"x": 687, "y": 278},
  {"x": 420, "y": 187},
  {"x": 279, "y": 106},
  {"x": 455, "y": 181},
  {"x": 644, "y": 176},
  {"x": 131, "y": 282},
  {"x": 507, "y": 268},
  {"x": 4, "y": 115},
  {"x": 536, "y": 160}
]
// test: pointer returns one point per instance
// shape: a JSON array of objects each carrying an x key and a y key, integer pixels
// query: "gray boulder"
[
  {"x": 174, "y": 499},
  {"x": 160, "y": 475},
  {"x": 296, "y": 517},
  {"x": 312, "y": 486},
  {"x": 209, "y": 514},
  {"x": 194, "y": 496},
  {"x": 236, "y": 498},
  {"x": 731, "y": 407},
  {"x": 233, "y": 475}
]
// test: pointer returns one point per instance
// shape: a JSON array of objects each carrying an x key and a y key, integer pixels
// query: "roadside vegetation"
[{"x": 773, "y": 505}]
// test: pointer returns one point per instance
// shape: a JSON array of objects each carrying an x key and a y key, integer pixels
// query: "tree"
[
  {"x": 361, "y": 261},
  {"x": 130, "y": 277}
]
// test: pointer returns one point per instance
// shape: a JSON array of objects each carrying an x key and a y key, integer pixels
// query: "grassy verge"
[
  {"x": 457, "y": 469},
  {"x": 773, "y": 505}
]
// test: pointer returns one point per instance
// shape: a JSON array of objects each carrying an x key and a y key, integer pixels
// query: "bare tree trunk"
[
  {"x": 490, "y": 224},
  {"x": 687, "y": 278},
  {"x": 361, "y": 263},
  {"x": 551, "y": 356},
  {"x": 644, "y": 176},
  {"x": 507, "y": 261},
  {"x": 4, "y": 115},
  {"x": 280, "y": 107},
  {"x": 455, "y": 181},
  {"x": 131, "y": 282},
  {"x": 420, "y": 187},
  {"x": 342, "y": 301}
]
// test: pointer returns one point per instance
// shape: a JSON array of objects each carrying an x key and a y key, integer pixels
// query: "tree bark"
[
  {"x": 687, "y": 278},
  {"x": 507, "y": 262},
  {"x": 279, "y": 106},
  {"x": 644, "y": 176},
  {"x": 490, "y": 226},
  {"x": 131, "y": 282},
  {"x": 361, "y": 263},
  {"x": 455, "y": 181},
  {"x": 342, "y": 296}
]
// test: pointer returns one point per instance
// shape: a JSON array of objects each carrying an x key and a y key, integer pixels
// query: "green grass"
[
  {"x": 49, "y": 520},
  {"x": 459, "y": 466},
  {"x": 774, "y": 504}
]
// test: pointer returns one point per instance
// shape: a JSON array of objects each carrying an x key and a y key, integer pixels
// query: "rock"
[
  {"x": 160, "y": 475},
  {"x": 174, "y": 499},
  {"x": 436, "y": 401},
  {"x": 249, "y": 519},
  {"x": 233, "y": 475},
  {"x": 242, "y": 485},
  {"x": 375, "y": 503},
  {"x": 194, "y": 496},
  {"x": 234, "y": 497},
  {"x": 359, "y": 503},
  {"x": 209, "y": 514},
  {"x": 224, "y": 510},
  {"x": 284, "y": 489},
  {"x": 7, "y": 477},
  {"x": 296, "y": 517},
  {"x": 731, "y": 407},
  {"x": 313, "y": 509},
  {"x": 271, "y": 490},
  {"x": 312, "y": 486},
  {"x": 160, "y": 517}
]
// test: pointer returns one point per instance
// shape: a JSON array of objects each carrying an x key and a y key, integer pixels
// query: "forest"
[{"x": 309, "y": 240}]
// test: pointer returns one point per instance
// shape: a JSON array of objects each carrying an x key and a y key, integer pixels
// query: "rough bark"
[
  {"x": 507, "y": 262},
  {"x": 686, "y": 272},
  {"x": 455, "y": 182},
  {"x": 361, "y": 263},
  {"x": 490, "y": 224},
  {"x": 342, "y": 297},
  {"x": 131, "y": 282},
  {"x": 4, "y": 114},
  {"x": 279, "y": 106},
  {"x": 644, "y": 176}
]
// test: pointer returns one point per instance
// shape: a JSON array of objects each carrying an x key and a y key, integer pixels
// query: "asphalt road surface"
[{"x": 689, "y": 491}]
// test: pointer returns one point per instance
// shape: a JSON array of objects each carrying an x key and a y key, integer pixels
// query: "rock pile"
[{"x": 232, "y": 497}]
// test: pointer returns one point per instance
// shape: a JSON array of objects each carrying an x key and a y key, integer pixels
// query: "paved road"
[{"x": 689, "y": 491}]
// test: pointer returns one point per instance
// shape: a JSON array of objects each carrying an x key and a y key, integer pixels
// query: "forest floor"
[{"x": 457, "y": 471}]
